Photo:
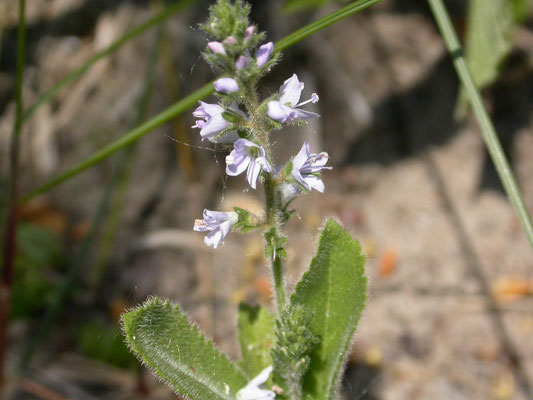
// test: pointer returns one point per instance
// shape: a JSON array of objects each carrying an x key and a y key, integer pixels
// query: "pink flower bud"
[
  {"x": 242, "y": 63},
  {"x": 217, "y": 48},
  {"x": 248, "y": 33},
  {"x": 230, "y": 41}
]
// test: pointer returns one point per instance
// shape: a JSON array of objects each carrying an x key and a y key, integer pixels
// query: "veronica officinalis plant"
[{"x": 298, "y": 350}]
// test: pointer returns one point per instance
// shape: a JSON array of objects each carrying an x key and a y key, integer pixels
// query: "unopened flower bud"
[
  {"x": 230, "y": 41},
  {"x": 226, "y": 85},
  {"x": 263, "y": 53},
  {"x": 217, "y": 48},
  {"x": 248, "y": 33},
  {"x": 242, "y": 63}
]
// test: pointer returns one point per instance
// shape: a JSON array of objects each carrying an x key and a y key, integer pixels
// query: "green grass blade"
[
  {"x": 322, "y": 23},
  {"x": 190, "y": 100},
  {"x": 78, "y": 72},
  {"x": 487, "y": 128},
  {"x": 127, "y": 139}
]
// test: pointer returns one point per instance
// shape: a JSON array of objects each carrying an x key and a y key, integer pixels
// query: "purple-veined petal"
[
  {"x": 226, "y": 85},
  {"x": 314, "y": 182},
  {"x": 302, "y": 156},
  {"x": 236, "y": 163},
  {"x": 290, "y": 91},
  {"x": 315, "y": 163},
  {"x": 263, "y": 53},
  {"x": 214, "y": 126},
  {"x": 263, "y": 162},
  {"x": 280, "y": 112},
  {"x": 207, "y": 110},
  {"x": 303, "y": 114},
  {"x": 253, "y": 172},
  {"x": 213, "y": 238},
  {"x": 242, "y": 145}
]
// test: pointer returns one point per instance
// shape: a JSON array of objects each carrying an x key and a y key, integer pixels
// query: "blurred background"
[{"x": 449, "y": 313}]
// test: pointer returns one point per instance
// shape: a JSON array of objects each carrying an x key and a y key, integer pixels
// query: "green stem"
[
  {"x": 190, "y": 100},
  {"x": 322, "y": 23},
  {"x": 272, "y": 212},
  {"x": 71, "y": 77},
  {"x": 487, "y": 128}
]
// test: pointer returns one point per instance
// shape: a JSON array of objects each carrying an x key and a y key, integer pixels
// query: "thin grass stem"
[
  {"x": 487, "y": 128},
  {"x": 117, "y": 44}
]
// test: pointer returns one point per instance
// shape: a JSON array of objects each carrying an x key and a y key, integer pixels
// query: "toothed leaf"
[{"x": 334, "y": 291}]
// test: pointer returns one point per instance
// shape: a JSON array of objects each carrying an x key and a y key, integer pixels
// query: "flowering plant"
[{"x": 296, "y": 352}]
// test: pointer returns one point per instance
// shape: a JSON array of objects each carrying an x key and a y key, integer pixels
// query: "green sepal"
[
  {"x": 256, "y": 338},
  {"x": 287, "y": 170},
  {"x": 162, "y": 337},
  {"x": 334, "y": 292},
  {"x": 245, "y": 222},
  {"x": 232, "y": 117}
]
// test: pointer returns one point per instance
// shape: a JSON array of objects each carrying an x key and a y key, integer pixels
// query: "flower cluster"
[{"x": 241, "y": 121}]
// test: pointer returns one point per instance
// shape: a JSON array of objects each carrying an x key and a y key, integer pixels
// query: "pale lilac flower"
[
  {"x": 242, "y": 63},
  {"x": 230, "y": 41},
  {"x": 248, "y": 33},
  {"x": 252, "y": 390},
  {"x": 306, "y": 166},
  {"x": 226, "y": 85},
  {"x": 263, "y": 53},
  {"x": 286, "y": 109},
  {"x": 248, "y": 156},
  {"x": 211, "y": 122},
  {"x": 217, "y": 48},
  {"x": 217, "y": 224}
]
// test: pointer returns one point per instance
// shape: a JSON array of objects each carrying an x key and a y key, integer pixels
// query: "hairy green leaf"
[
  {"x": 162, "y": 337},
  {"x": 334, "y": 291},
  {"x": 256, "y": 336}
]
